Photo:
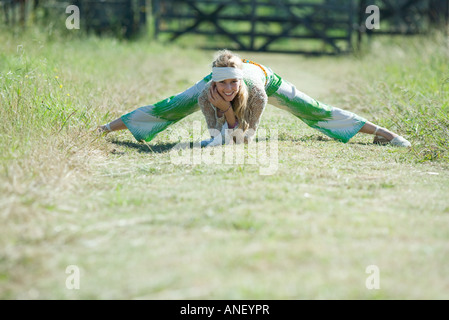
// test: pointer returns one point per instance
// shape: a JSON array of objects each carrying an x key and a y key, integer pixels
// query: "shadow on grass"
[
  {"x": 305, "y": 138},
  {"x": 165, "y": 147},
  {"x": 158, "y": 148},
  {"x": 315, "y": 137}
]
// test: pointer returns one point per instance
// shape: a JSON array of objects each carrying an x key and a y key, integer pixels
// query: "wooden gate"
[{"x": 320, "y": 26}]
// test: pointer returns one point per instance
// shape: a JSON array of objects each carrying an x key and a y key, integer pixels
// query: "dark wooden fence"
[
  {"x": 299, "y": 26},
  {"x": 260, "y": 25},
  {"x": 321, "y": 26}
]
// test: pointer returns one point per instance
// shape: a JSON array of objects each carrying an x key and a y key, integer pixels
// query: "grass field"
[{"x": 139, "y": 226}]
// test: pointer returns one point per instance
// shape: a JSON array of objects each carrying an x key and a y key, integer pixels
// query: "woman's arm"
[
  {"x": 224, "y": 106},
  {"x": 208, "y": 111},
  {"x": 231, "y": 118},
  {"x": 257, "y": 100}
]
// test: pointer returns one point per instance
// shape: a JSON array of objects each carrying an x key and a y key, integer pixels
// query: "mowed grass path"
[{"x": 139, "y": 226}]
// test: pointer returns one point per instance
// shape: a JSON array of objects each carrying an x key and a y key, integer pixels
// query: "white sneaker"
[
  {"x": 218, "y": 140},
  {"x": 400, "y": 142},
  {"x": 102, "y": 130}
]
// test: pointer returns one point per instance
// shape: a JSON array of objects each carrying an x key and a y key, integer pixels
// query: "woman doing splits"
[{"x": 233, "y": 97}]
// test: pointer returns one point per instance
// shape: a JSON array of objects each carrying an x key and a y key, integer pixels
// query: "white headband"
[{"x": 223, "y": 73}]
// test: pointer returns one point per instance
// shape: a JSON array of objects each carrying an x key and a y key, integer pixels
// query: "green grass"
[{"x": 141, "y": 227}]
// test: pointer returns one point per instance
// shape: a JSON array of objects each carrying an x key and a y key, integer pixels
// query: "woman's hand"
[{"x": 216, "y": 99}]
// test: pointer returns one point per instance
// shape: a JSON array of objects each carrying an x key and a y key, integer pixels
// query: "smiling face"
[{"x": 228, "y": 88}]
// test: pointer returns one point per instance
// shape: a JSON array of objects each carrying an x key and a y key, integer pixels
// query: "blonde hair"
[{"x": 226, "y": 58}]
